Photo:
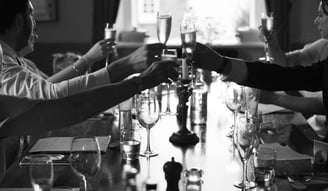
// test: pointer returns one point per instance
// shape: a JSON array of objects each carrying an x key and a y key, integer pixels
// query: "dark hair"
[
  {"x": 324, "y": 6},
  {"x": 9, "y": 9}
]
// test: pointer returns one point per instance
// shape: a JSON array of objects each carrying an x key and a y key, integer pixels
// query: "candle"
[{"x": 185, "y": 71}]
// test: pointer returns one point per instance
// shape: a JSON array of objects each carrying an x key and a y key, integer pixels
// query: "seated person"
[
  {"x": 23, "y": 116},
  {"x": 17, "y": 32},
  {"x": 272, "y": 77},
  {"x": 311, "y": 53}
]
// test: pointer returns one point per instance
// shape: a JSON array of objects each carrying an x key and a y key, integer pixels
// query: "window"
[{"x": 216, "y": 20}]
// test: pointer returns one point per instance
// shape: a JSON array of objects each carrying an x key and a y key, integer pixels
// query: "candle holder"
[{"x": 183, "y": 137}]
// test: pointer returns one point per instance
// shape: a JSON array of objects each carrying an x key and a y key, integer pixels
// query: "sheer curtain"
[
  {"x": 281, "y": 9},
  {"x": 105, "y": 11}
]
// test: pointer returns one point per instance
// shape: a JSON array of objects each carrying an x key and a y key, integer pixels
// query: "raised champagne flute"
[
  {"x": 85, "y": 159},
  {"x": 163, "y": 28},
  {"x": 188, "y": 39},
  {"x": 245, "y": 138},
  {"x": 267, "y": 22},
  {"x": 148, "y": 114}
]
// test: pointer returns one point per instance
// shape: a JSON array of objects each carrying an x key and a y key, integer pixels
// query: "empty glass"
[
  {"x": 148, "y": 113},
  {"x": 245, "y": 138},
  {"x": 85, "y": 159},
  {"x": 41, "y": 172},
  {"x": 169, "y": 54},
  {"x": 264, "y": 165}
]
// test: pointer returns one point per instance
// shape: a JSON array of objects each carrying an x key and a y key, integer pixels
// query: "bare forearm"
[
  {"x": 78, "y": 68},
  {"x": 300, "y": 104},
  {"x": 53, "y": 114}
]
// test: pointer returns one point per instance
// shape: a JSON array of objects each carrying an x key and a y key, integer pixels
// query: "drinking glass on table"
[
  {"x": 148, "y": 113},
  {"x": 245, "y": 138},
  {"x": 234, "y": 100},
  {"x": 169, "y": 54},
  {"x": 85, "y": 159},
  {"x": 264, "y": 165},
  {"x": 267, "y": 22},
  {"x": 188, "y": 39},
  {"x": 41, "y": 172}
]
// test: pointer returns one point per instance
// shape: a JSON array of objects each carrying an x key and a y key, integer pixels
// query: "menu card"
[{"x": 63, "y": 144}]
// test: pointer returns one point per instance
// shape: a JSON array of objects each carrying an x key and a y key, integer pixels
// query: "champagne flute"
[
  {"x": 41, "y": 172},
  {"x": 245, "y": 138},
  {"x": 148, "y": 113},
  {"x": 164, "y": 23},
  {"x": 169, "y": 54},
  {"x": 85, "y": 159},
  {"x": 234, "y": 100},
  {"x": 188, "y": 39},
  {"x": 110, "y": 33},
  {"x": 267, "y": 27}
]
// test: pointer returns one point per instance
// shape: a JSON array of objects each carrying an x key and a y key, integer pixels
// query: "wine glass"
[
  {"x": 148, "y": 113},
  {"x": 245, "y": 138},
  {"x": 41, "y": 172},
  {"x": 267, "y": 22},
  {"x": 164, "y": 23},
  {"x": 234, "y": 100},
  {"x": 188, "y": 39},
  {"x": 169, "y": 54},
  {"x": 85, "y": 159}
]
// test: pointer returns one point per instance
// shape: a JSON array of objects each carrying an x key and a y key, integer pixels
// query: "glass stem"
[
  {"x": 168, "y": 110},
  {"x": 244, "y": 171},
  {"x": 85, "y": 184},
  {"x": 266, "y": 49},
  {"x": 148, "y": 140}
]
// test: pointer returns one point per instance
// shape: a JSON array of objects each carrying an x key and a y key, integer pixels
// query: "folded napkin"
[
  {"x": 289, "y": 161},
  {"x": 63, "y": 144},
  {"x": 269, "y": 108}
]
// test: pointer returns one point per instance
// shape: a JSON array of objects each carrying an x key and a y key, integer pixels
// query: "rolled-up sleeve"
[{"x": 19, "y": 81}]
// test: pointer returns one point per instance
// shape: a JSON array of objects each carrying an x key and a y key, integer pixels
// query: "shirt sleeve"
[
  {"x": 276, "y": 78},
  {"x": 20, "y": 81}
]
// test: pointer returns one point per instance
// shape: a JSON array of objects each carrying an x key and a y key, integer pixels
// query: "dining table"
[{"x": 213, "y": 154}]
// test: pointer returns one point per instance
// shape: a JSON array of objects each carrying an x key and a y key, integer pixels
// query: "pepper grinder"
[{"x": 172, "y": 172}]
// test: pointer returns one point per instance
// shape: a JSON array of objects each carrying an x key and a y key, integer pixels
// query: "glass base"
[
  {"x": 168, "y": 113},
  {"x": 148, "y": 154},
  {"x": 268, "y": 60},
  {"x": 245, "y": 185}
]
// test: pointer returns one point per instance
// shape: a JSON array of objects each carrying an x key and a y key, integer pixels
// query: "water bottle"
[{"x": 198, "y": 109}]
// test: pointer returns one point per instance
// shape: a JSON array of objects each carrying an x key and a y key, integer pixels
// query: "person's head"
[
  {"x": 322, "y": 19},
  {"x": 17, "y": 21}
]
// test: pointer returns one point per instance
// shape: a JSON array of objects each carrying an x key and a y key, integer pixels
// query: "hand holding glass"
[
  {"x": 41, "y": 172},
  {"x": 85, "y": 158}
]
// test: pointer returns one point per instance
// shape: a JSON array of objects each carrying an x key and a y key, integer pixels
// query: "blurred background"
[{"x": 230, "y": 26}]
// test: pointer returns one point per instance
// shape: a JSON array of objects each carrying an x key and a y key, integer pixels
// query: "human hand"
[
  {"x": 267, "y": 97},
  {"x": 143, "y": 57},
  {"x": 293, "y": 136},
  {"x": 206, "y": 58},
  {"x": 99, "y": 51},
  {"x": 158, "y": 72}
]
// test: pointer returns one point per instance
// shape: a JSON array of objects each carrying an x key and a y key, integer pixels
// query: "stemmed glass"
[
  {"x": 41, "y": 172},
  {"x": 267, "y": 22},
  {"x": 148, "y": 113},
  {"x": 245, "y": 138},
  {"x": 188, "y": 39},
  {"x": 163, "y": 26},
  {"x": 234, "y": 100},
  {"x": 169, "y": 54},
  {"x": 85, "y": 159}
]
